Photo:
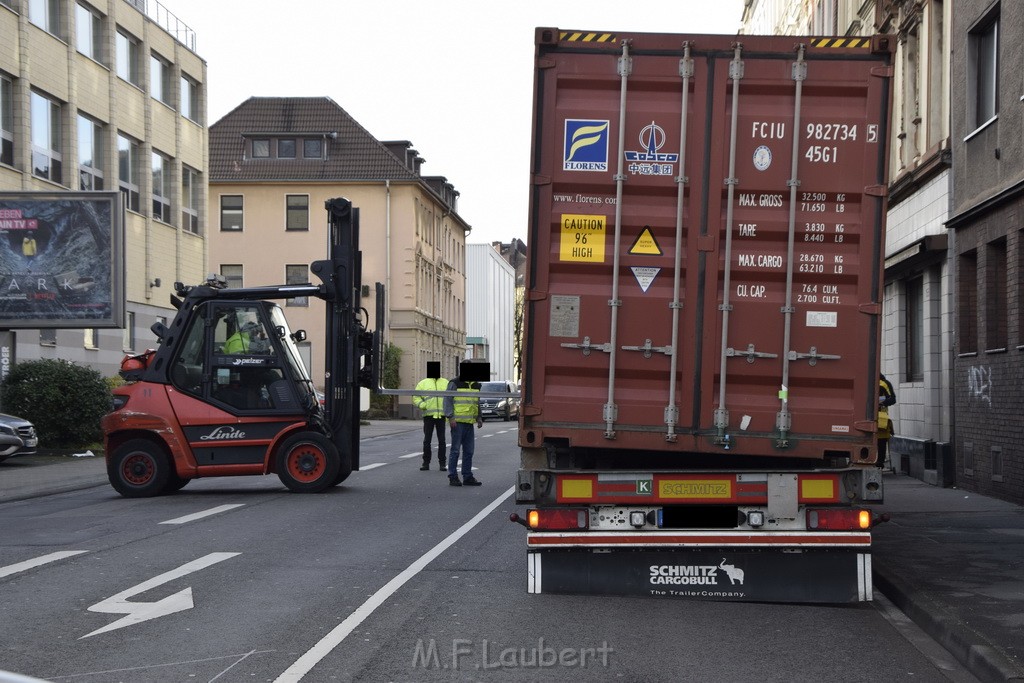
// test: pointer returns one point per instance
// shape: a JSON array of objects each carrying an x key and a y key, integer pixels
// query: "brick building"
[{"x": 987, "y": 231}]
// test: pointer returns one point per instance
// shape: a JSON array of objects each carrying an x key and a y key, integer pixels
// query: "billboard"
[{"x": 61, "y": 260}]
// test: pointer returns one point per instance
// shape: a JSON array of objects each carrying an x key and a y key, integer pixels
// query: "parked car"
[
  {"x": 17, "y": 437},
  {"x": 504, "y": 408}
]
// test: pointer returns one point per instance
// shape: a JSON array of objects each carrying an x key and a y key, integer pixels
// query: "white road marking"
[
  {"x": 312, "y": 657},
  {"x": 410, "y": 455},
  {"x": 205, "y": 513},
  {"x": 371, "y": 466},
  {"x": 38, "y": 562},
  {"x": 144, "y": 611}
]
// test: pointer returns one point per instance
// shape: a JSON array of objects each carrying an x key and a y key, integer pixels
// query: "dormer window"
[
  {"x": 313, "y": 149},
  {"x": 261, "y": 149},
  {"x": 286, "y": 148}
]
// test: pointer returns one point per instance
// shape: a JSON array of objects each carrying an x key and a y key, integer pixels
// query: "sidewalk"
[{"x": 952, "y": 560}]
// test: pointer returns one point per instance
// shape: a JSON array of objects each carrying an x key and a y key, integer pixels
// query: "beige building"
[
  {"x": 273, "y": 164},
  {"x": 100, "y": 96}
]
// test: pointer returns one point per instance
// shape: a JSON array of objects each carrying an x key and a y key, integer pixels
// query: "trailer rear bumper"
[{"x": 818, "y": 570}]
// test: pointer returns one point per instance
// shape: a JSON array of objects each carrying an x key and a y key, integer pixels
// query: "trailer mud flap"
[{"x": 839, "y": 575}]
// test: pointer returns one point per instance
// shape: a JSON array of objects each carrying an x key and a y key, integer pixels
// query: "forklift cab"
[{"x": 241, "y": 357}]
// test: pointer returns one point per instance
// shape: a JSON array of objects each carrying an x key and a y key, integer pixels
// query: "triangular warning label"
[
  {"x": 644, "y": 275},
  {"x": 645, "y": 243}
]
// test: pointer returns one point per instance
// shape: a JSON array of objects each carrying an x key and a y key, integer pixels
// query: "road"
[{"x": 393, "y": 576}]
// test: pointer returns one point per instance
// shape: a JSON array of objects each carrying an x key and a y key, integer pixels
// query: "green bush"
[
  {"x": 382, "y": 405},
  {"x": 64, "y": 401}
]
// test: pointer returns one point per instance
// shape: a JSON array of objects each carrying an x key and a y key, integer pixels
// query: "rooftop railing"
[{"x": 155, "y": 10}]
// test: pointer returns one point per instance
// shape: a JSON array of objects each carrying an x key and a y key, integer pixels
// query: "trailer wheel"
[
  {"x": 139, "y": 469},
  {"x": 308, "y": 463}
]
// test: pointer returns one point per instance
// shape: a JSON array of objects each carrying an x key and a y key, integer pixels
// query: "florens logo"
[{"x": 586, "y": 145}]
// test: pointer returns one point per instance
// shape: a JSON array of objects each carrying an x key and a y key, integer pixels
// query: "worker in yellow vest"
[
  {"x": 432, "y": 409},
  {"x": 462, "y": 410},
  {"x": 886, "y": 398}
]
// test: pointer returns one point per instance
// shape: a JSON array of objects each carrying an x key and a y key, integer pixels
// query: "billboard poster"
[{"x": 61, "y": 260}]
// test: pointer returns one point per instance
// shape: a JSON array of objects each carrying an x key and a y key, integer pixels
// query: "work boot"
[
  {"x": 425, "y": 466},
  {"x": 442, "y": 465},
  {"x": 471, "y": 481},
  {"x": 454, "y": 481}
]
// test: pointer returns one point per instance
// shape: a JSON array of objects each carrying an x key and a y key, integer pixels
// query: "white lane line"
[
  {"x": 371, "y": 466},
  {"x": 411, "y": 455},
  {"x": 38, "y": 562},
  {"x": 312, "y": 657},
  {"x": 205, "y": 513}
]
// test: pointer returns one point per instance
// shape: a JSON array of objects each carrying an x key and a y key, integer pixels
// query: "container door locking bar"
[
  {"x": 648, "y": 349},
  {"x": 587, "y": 346},
  {"x": 750, "y": 353},
  {"x": 813, "y": 356}
]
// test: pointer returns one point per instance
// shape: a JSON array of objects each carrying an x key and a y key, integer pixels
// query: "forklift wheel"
[
  {"x": 308, "y": 463},
  {"x": 139, "y": 469}
]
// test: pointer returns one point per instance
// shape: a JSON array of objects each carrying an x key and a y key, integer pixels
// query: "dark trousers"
[{"x": 430, "y": 425}]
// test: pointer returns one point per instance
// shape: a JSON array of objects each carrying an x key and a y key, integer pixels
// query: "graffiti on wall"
[{"x": 979, "y": 384}]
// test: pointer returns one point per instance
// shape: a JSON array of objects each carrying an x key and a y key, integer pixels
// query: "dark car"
[
  {"x": 17, "y": 437},
  {"x": 501, "y": 407}
]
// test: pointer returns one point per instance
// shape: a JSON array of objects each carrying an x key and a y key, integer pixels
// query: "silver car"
[
  {"x": 17, "y": 437},
  {"x": 502, "y": 408}
]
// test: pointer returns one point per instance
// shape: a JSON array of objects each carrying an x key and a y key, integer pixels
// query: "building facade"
[
  {"x": 490, "y": 310},
  {"x": 273, "y": 164},
  {"x": 100, "y": 96},
  {"x": 987, "y": 231}
]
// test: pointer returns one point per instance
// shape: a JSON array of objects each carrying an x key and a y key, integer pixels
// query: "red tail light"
[
  {"x": 558, "y": 520},
  {"x": 844, "y": 519}
]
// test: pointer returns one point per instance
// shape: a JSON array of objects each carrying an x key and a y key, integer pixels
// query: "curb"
[{"x": 971, "y": 649}]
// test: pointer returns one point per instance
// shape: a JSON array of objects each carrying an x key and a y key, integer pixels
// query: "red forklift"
[{"x": 227, "y": 393}]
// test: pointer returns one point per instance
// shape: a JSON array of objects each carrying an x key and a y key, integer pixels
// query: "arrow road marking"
[
  {"x": 204, "y": 513},
  {"x": 138, "y": 612},
  {"x": 39, "y": 561}
]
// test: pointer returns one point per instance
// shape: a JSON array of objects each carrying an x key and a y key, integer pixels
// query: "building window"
[
  {"x": 914, "y": 326},
  {"x": 161, "y": 167},
  {"x": 89, "y": 32},
  {"x": 90, "y": 154},
  {"x": 91, "y": 338},
  {"x": 46, "y": 156},
  {"x": 189, "y": 99},
  {"x": 261, "y": 149},
  {"x": 231, "y": 212},
  {"x": 128, "y": 334},
  {"x": 297, "y": 275},
  {"x": 128, "y": 171},
  {"x": 312, "y": 149},
  {"x": 159, "y": 79},
  {"x": 232, "y": 272},
  {"x": 45, "y": 14},
  {"x": 127, "y": 57},
  {"x": 190, "y": 199},
  {"x": 996, "y": 284},
  {"x": 48, "y": 337},
  {"x": 983, "y": 73},
  {"x": 6, "y": 122},
  {"x": 967, "y": 301},
  {"x": 297, "y": 212},
  {"x": 286, "y": 149}
]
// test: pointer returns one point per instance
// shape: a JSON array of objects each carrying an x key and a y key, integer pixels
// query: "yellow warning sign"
[
  {"x": 583, "y": 238},
  {"x": 645, "y": 243}
]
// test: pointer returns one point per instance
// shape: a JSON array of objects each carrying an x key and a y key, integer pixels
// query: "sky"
[{"x": 454, "y": 77}]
